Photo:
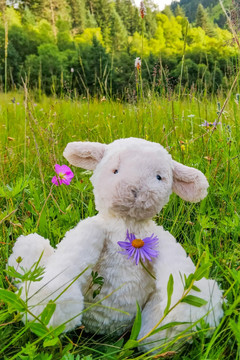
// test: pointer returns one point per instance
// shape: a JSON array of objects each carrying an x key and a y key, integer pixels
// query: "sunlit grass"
[{"x": 33, "y": 135}]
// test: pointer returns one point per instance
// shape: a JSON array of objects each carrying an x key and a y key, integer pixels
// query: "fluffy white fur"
[{"x": 126, "y": 199}]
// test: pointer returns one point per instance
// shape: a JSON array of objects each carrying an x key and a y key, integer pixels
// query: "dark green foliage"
[
  {"x": 118, "y": 32},
  {"x": 89, "y": 47},
  {"x": 167, "y": 11},
  {"x": 179, "y": 11},
  {"x": 203, "y": 21},
  {"x": 150, "y": 18},
  {"x": 190, "y": 7},
  {"x": 101, "y": 9},
  {"x": 78, "y": 14},
  {"x": 36, "y": 7},
  {"x": 129, "y": 14}
]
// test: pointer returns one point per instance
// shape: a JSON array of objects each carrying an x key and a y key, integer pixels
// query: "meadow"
[{"x": 33, "y": 134}]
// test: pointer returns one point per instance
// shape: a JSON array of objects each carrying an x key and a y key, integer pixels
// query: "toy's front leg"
[
  {"x": 173, "y": 260},
  {"x": 80, "y": 248}
]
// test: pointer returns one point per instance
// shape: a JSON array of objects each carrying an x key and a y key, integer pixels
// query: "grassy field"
[{"x": 33, "y": 135}]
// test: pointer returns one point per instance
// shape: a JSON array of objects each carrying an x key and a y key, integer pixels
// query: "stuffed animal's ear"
[
  {"x": 189, "y": 183},
  {"x": 84, "y": 154}
]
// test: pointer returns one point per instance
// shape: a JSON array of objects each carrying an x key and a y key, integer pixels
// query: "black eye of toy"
[
  {"x": 158, "y": 177},
  {"x": 115, "y": 171}
]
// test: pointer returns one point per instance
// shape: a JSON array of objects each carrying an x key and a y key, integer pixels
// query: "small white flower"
[
  {"x": 72, "y": 70},
  {"x": 138, "y": 63}
]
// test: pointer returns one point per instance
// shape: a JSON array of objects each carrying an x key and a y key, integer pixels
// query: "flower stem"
[
  {"x": 40, "y": 214},
  {"x": 149, "y": 273}
]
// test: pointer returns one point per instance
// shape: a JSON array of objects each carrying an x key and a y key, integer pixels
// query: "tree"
[
  {"x": 118, "y": 32},
  {"x": 203, "y": 21},
  {"x": 129, "y": 15},
  {"x": 78, "y": 15},
  {"x": 36, "y": 7},
  {"x": 167, "y": 11},
  {"x": 201, "y": 17},
  {"x": 150, "y": 18},
  {"x": 101, "y": 9},
  {"x": 179, "y": 11}
]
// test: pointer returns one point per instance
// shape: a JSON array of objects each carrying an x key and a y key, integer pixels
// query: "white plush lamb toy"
[{"x": 132, "y": 179}]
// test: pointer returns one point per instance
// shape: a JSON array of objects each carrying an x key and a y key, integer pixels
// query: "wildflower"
[
  {"x": 139, "y": 249},
  {"x": 191, "y": 116},
  {"x": 138, "y": 63},
  {"x": 72, "y": 70},
  {"x": 208, "y": 124},
  {"x": 34, "y": 105},
  {"x": 64, "y": 175},
  {"x": 142, "y": 9},
  {"x": 183, "y": 148},
  {"x": 205, "y": 123},
  {"x": 215, "y": 123}
]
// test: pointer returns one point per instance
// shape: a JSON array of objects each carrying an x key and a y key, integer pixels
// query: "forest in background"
[{"x": 88, "y": 47}]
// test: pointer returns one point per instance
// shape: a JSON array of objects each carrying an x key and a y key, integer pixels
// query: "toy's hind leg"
[
  {"x": 182, "y": 313},
  {"x": 30, "y": 248}
]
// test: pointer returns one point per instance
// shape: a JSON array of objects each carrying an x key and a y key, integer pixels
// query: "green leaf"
[
  {"x": 96, "y": 292},
  {"x": 43, "y": 356},
  {"x": 169, "y": 293},
  {"x": 202, "y": 271},
  {"x": 38, "y": 329},
  {"x": 67, "y": 348},
  {"x": 194, "y": 300},
  {"x": 33, "y": 274},
  {"x": 131, "y": 344},
  {"x": 188, "y": 281},
  {"x": 124, "y": 354},
  {"x": 235, "y": 329},
  {"x": 119, "y": 343},
  {"x": 137, "y": 324},
  {"x": 195, "y": 288},
  {"x": 58, "y": 330},
  {"x": 16, "y": 304},
  {"x": 168, "y": 326},
  {"x": 48, "y": 312},
  {"x": 51, "y": 342},
  {"x": 10, "y": 192}
]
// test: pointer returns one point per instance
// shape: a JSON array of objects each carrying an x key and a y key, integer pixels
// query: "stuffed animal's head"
[{"x": 134, "y": 177}]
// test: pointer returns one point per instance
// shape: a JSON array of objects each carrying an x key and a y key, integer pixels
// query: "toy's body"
[{"x": 125, "y": 202}]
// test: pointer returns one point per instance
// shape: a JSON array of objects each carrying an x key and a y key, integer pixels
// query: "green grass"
[{"x": 33, "y": 136}]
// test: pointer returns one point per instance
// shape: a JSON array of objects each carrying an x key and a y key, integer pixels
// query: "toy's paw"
[{"x": 28, "y": 250}]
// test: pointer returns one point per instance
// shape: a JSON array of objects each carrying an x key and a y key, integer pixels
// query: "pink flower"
[
  {"x": 142, "y": 9},
  {"x": 64, "y": 175}
]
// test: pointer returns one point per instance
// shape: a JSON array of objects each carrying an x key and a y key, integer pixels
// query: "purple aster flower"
[
  {"x": 205, "y": 123},
  {"x": 64, "y": 175},
  {"x": 139, "y": 249},
  {"x": 208, "y": 124},
  {"x": 215, "y": 123}
]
